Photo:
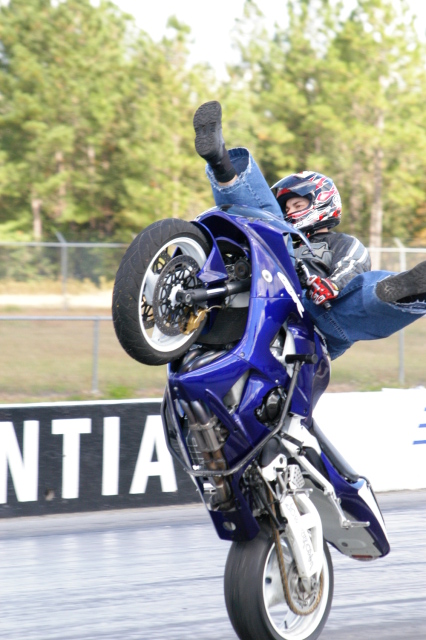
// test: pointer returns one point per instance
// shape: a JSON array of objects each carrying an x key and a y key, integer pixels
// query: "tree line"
[{"x": 96, "y": 137}]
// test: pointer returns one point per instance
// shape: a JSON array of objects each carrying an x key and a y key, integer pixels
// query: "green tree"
[
  {"x": 163, "y": 174},
  {"x": 343, "y": 95},
  {"x": 284, "y": 73},
  {"x": 378, "y": 84},
  {"x": 95, "y": 135},
  {"x": 63, "y": 83}
]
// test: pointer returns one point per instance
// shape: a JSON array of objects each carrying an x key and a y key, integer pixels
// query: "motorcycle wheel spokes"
[
  {"x": 150, "y": 335},
  {"x": 254, "y": 593},
  {"x": 171, "y": 269},
  {"x": 287, "y": 624}
]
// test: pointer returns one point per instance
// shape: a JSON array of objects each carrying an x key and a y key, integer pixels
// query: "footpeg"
[{"x": 353, "y": 524}]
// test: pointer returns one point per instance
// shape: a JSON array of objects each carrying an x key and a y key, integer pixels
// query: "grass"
[
  {"x": 372, "y": 365},
  {"x": 54, "y": 287},
  {"x": 52, "y": 361}
]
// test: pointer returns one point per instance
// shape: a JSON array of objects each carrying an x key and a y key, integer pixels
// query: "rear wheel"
[
  {"x": 149, "y": 322},
  {"x": 255, "y": 598}
]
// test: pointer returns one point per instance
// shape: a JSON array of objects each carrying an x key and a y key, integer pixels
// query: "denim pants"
[{"x": 357, "y": 313}]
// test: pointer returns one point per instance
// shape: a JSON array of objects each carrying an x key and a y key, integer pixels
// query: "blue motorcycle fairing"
[
  {"x": 264, "y": 321},
  {"x": 214, "y": 269},
  {"x": 270, "y": 240},
  {"x": 246, "y": 526},
  {"x": 321, "y": 378},
  {"x": 251, "y": 213},
  {"x": 241, "y": 229},
  {"x": 241, "y": 518},
  {"x": 264, "y": 231},
  {"x": 243, "y": 524}
]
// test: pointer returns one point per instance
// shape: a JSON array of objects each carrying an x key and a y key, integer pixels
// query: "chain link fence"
[
  {"x": 38, "y": 268},
  {"x": 96, "y": 262},
  {"x": 59, "y": 262}
]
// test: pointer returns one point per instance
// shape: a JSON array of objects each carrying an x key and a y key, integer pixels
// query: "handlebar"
[
  {"x": 191, "y": 296},
  {"x": 304, "y": 358},
  {"x": 303, "y": 274}
]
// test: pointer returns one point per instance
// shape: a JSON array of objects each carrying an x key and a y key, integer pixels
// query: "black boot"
[
  {"x": 209, "y": 142},
  {"x": 407, "y": 286}
]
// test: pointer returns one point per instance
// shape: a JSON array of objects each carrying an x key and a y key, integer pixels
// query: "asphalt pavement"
[{"x": 158, "y": 574}]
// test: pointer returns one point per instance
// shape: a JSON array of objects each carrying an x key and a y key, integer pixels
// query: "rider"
[{"x": 361, "y": 304}]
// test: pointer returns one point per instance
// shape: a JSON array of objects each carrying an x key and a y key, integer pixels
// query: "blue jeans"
[
  {"x": 357, "y": 313},
  {"x": 250, "y": 188}
]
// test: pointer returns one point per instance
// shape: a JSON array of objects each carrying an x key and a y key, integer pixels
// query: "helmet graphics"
[{"x": 324, "y": 208}]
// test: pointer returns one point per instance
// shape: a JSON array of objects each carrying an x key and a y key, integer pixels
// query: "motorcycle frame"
[{"x": 275, "y": 298}]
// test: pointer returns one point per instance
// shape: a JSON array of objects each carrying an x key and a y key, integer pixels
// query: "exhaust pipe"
[{"x": 202, "y": 425}]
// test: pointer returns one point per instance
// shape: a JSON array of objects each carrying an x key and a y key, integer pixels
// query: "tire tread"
[
  {"x": 125, "y": 311},
  {"x": 242, "y": 585}
]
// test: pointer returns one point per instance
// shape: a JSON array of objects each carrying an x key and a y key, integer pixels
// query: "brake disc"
[
  {"x": 146, "y": 309},
  {"x": 147, "y": 314},
  {"x": 170, "y": 316}
]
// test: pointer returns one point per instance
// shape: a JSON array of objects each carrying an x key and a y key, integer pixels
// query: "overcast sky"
[{"x": 211, "y": 22}]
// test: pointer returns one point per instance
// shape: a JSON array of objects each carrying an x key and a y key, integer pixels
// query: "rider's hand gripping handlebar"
[{"x": 311, "y": 283}]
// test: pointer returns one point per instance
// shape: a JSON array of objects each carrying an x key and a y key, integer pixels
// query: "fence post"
[
  {"x": 95, "y": 355},
  {"x": 64, "y": 267},
  {"x": 402, "y": 267}
]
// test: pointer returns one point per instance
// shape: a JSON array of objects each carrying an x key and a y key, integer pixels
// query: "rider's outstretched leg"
[
  {"x": 209, "y": 142},
  {"x": 408, "y": 286},
  {"x": 234, "y": 176},
  {"x": 360, "y": 312}
]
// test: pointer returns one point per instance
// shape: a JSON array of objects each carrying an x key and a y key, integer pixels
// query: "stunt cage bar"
[{"x": 298, "y": 360}]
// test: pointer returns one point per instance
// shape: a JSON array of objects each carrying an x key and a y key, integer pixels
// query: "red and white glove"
[{"x": 321, "y": 290}]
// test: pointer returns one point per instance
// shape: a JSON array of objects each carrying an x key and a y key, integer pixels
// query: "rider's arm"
[{"x": 350, "y": 258}]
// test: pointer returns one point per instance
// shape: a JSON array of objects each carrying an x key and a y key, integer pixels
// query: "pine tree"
[
  {"x": 95, "y": 122},
  {"x": 343, "y": 95}
]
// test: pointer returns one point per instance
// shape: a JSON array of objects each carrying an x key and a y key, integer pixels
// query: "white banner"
[
  {"x": 85, "y": 456},
  {"x": 381, "y": 434}
]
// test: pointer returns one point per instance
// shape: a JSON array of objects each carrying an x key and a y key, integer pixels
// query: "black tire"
[
  {"x": 134, "y": 316},
  {"x": 247, "y": 579}
]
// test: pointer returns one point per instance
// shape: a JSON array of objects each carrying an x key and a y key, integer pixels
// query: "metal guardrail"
[
  {"x": 95, "y": 348},
  {"x": 64, "y": 246}
]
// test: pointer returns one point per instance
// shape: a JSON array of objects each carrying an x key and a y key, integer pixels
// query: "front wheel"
[
  {"x": 254, "y": 594},
  {"x": 151, "y": 325}
]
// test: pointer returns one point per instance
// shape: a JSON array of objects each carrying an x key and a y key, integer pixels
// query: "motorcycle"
[{"x": 219, "y": 300}]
